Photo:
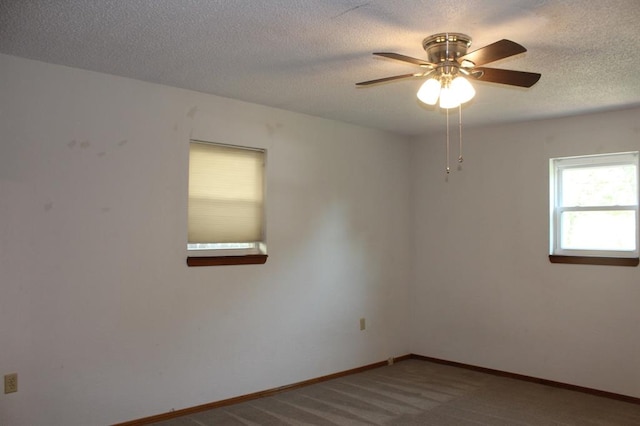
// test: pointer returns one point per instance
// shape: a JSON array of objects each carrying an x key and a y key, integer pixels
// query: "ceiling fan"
[{"x": 448, "y": 63}]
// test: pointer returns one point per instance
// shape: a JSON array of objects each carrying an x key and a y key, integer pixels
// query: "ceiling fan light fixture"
[
  {"x": 463, "y": 89},
  {"x": 451, "y": 93},
  {"x": 429, "y": 91},
  {"x": 448, "y": 98}
]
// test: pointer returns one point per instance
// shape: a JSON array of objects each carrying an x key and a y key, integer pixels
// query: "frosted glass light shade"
[
  {"x": 463, "y": 90},
  {"x": 448, "y": 98},
  {"x": 429, "y": 91}
]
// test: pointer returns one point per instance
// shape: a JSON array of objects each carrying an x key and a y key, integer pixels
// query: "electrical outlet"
[
  {"x": 362, "y": 324},
  {"x": 11, "y": 383}
]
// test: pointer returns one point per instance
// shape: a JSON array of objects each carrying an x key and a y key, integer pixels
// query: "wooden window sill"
[
  {"x": 588, "y": 260},
  {"x": 250, "y": 259}
]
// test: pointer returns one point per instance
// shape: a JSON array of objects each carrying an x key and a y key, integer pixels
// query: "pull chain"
[
  {"x": 448, "y": 169},
  {"x": 460, "y": 159}
]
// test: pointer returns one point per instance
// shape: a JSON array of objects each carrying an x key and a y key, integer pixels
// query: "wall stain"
[
  {"x": 101, "y": 154},
  {"x": 192, "y": 112},
  {"x": 48, "y": 206},
  {"x": 72, "y": 144},
  {"x": 271, "y": 129},
  {"x": 123, "y": 142},
  {"x": 85, "y": 144}
]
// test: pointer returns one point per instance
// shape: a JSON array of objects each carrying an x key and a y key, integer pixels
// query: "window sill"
[
  {"x": 250, "y": 259},
  {"x": 588, "y": 260}
]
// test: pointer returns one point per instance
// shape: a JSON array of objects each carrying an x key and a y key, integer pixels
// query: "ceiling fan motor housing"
[{"x": 446, "y": 48}]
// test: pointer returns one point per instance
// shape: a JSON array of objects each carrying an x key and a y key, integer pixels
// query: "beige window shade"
[{"x": 226, "y": 194}]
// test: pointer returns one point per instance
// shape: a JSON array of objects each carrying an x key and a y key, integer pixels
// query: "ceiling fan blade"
[
  {"x": 510, "y": 77},
  {"x": 498, "y": 50},
  {"x": 404, "y": 58},
  {"x": 383, "y": 80}
]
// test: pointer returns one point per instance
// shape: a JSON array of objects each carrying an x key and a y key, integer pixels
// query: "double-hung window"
[
  {"x": 594, "y": 209},
  {"x": 226, "y": 205}
]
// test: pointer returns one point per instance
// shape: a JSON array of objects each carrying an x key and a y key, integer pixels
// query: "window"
[
  {"x": 226, "y": 205},
  {"x": 594, "y": 209}
]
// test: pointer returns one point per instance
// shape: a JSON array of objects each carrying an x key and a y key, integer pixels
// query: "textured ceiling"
[{"x": 306, "y": 55}]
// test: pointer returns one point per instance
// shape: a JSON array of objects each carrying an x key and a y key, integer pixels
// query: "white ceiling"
[{"x": 307, "y": 55}]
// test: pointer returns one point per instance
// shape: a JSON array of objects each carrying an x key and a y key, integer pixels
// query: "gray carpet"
[{"x": 416, "y": 392}]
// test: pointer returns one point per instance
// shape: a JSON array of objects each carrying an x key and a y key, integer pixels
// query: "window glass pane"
[
  {"x": 222, "y": 246},
  {"x": 613, "y": 185},
  {"x": 600, "y": 230}
]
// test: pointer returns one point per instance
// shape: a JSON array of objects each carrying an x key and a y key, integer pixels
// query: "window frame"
[
  {"x": 579, "y": 256},
  {"x": 222, "y": 254}
]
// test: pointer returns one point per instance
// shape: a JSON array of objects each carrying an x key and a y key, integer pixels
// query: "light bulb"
[
  {"x": 448, "y": 98},
  {"x": 463, "y": 90},
  {"x": 429, "y": 91}
]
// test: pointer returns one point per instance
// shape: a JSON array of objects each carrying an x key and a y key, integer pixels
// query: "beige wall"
[
  {"x": 484, "y": 292},
  {"x": 103, "y": 321},
  {"x": 99, "y": 314}
]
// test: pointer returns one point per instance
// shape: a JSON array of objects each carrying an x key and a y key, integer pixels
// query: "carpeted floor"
[{"x": 416, "y": 392}]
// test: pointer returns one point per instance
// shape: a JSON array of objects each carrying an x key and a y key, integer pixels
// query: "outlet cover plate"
[{"x": 11, "y": 383}]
